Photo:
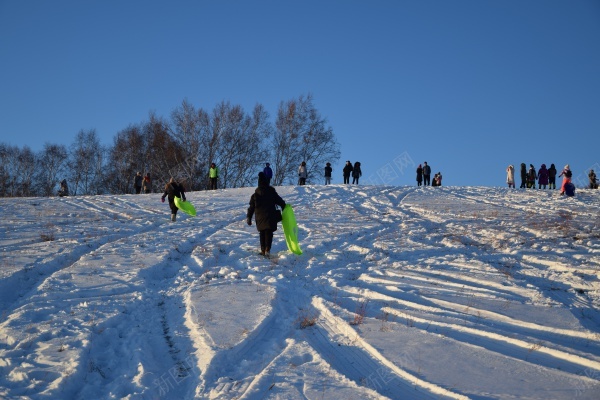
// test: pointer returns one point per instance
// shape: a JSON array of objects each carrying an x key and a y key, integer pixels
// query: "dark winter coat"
[
  {"x": 523, "y": 172},
  {"x": 420, "y": 174},
  {"x": 347, "y": 170},
  {"x": 426, "y": 170},
  {"x": 328, "y": 171},
  {"x": 262, "y": 206},
  {"x": 268, "y": 172},
  {"x": 173, "y": 189},
  {"x": 552, "y": 171},
  {"x": 356, "y": 172},
  {"x": 543, "y": 175},
  {"x": 138, "y": 180}
]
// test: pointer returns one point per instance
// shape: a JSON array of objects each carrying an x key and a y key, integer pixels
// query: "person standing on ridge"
[
  {"x": 592, "y": 178},
  {"x": 426, "y": 174},
  {"x": 64, "y": 189},
  {"x": 262, "y": 206},
  {"x": 543, "y": 177},
  {"x": 137, "y": 182},
  {"x": 356, "y": 173},
  {"x": 566, "y": 174},
  {"x": 419, "y": 175},
  {"x": 328, "y": 171},
  {"x": 552, "y": 177},
  {"x": 510, "y": 176},
  {"x": 147, "y": 184},
  {"x": 213, "y": 175},
  {"x": 268, "y": 173},
  {"x": 302, "y": 174},
  {"x": 172, "y": 189},
  {"x": 347, "y": 171},
  {"x": 523, "y": 176},
  {"x": 531, "y": 177}
]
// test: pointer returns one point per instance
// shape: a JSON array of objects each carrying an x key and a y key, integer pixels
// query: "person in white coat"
[
  {"x": 510, "y": 176},
  {"x": 302, "y": 173}
]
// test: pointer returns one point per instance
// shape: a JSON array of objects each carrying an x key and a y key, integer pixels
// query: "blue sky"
[{"x": 469, "y": 86}]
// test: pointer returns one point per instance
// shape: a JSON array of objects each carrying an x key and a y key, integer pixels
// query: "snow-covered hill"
[{"x": 401, "y": 293}]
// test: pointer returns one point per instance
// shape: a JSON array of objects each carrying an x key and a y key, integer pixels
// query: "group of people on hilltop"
[
  {"x": 349, "y": 170},
  {"x": 424, "y": 176},
  {"x": 142, "y": 183},
  {"x": 355, "y": 171},
  {"x": 545, "y": 178}
]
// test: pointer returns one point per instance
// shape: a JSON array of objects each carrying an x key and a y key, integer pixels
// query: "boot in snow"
[{"x": 173, "y": 217}]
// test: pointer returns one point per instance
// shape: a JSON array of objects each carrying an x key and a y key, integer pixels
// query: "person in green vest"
[{"x": 214, "y": 176}]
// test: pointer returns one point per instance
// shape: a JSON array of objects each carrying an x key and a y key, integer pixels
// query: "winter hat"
[
  {"x": 268, "y": 164},
  {"x": 567, "y": 166},
  {"x": 262, "y": 179}
]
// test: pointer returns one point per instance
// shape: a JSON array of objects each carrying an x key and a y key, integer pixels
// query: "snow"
[{"x": 401, "y": 293}]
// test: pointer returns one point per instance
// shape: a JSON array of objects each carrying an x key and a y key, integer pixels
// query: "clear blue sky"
[{"x": 469, "y": 86}]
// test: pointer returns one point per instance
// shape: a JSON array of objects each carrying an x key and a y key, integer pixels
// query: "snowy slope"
[{"x": 401, "y": 293}]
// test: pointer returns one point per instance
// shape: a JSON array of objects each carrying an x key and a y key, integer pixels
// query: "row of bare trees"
[{"x": 183, "y": 146}]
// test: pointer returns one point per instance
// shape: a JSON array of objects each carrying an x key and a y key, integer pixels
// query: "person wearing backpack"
[{"x": 262, "y": 207}]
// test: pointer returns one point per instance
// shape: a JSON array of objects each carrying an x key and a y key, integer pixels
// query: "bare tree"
[
  {"x": 241, "y": 143},
  {"x": 163, "y": 153},
  {"x": 85, "y": 163},
  {"x": 126, "y": 156},
  {"x": 300, "y": 135},
  {"x": 191, "y": 130},
  {"x": 18, "y": 168},
  {"x": 51, "y": 163}
]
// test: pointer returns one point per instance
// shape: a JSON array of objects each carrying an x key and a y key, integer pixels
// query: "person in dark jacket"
[
  {"x": 262, "y": 206},
  {"x": 552, "y": 177},
  {"x": 268, "y": 173},
  {"x": 64, "y": 189},
  {"x": 328, "y": 171},
  {"x": 137, "y": 182},
  {"x": 592, "y": 178},
  {"x": 356, "y": 173},
  {"x": 172, "y": 189},
  {"x": 426, "y": 174},
  {"x": 347, "y": 171},
  {"x": 419, "y": 175},
  {"x": 523, "y": 176},
  {"x": 543, "y": 177}
]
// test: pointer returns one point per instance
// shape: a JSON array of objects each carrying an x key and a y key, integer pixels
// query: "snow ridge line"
[{"x": 406, "y": 376}]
